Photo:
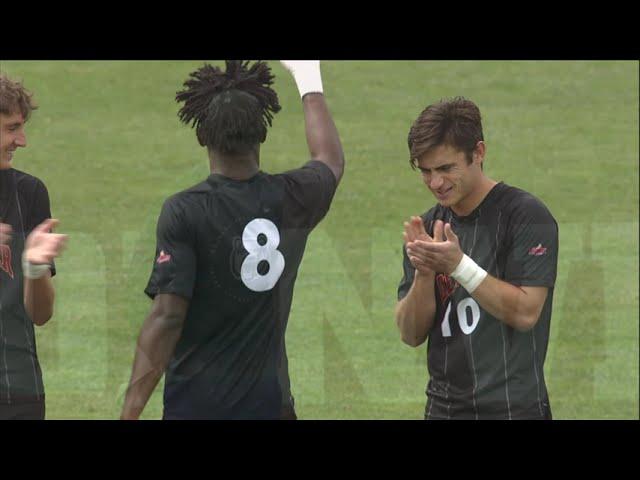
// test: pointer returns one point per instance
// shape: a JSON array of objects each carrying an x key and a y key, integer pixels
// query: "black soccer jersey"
[
  {"x": 479, "y": 367},
  {"x": 233, "y": 249},
  {"x": 24, "y": 204}
]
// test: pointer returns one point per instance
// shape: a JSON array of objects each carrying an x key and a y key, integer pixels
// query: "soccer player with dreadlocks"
[{"x": 228, "y": 252}]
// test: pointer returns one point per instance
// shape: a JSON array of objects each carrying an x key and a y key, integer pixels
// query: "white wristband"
[
  {"x": 309, "y": 85},
  {"x": 306, "y": 74},
  {"x": 33, "y": 271},
  {"x": 468, "y": 274}
]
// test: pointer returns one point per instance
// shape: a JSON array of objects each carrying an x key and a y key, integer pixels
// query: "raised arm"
[{"x": 322, "y": 136}]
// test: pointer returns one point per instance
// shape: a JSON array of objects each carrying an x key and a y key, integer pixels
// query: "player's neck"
[
  {"x": 237, "y": 167},
  {"x": 475, "y": 198}
]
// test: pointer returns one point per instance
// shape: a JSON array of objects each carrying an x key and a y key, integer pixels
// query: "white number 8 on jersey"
[{"x": 258, "y": 253}]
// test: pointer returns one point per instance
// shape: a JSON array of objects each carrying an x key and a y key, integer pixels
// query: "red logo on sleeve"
[
  {"x": 5, "y": 260},
  {"x": 163, "y": 257},
  {"x": 537, "y": 251}
]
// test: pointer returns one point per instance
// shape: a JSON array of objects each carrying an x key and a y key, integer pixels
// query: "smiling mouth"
[{"x": 444, "y": 193}]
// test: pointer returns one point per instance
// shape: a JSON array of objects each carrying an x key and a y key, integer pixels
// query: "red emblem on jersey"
[
  {"x": 537, "y": 251},
  {"x": 163, "y": 257},
  {"x": 446, "y": 286},
  {"x": 5, "y": 260}
]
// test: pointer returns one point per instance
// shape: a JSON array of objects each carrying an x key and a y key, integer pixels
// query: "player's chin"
[{"x": 446, "y": 202}]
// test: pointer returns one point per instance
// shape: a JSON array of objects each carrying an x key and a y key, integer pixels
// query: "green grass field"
[{"x": 107, "y": 143}]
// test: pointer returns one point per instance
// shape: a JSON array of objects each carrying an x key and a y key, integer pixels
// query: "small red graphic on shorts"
[
  {"x": 446, "y": 286},
  {"x": 163, "y": 257},
  {"x": 537, "y": 251},
  {"x": 5, "y": 260}
]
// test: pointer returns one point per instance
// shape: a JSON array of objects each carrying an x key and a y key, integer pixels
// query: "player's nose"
[
  {"x": 436, "y": 181},
  {"x": 21, "y": 140}
]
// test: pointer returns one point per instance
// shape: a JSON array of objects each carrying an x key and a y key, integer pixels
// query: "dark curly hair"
[{"x": 230, "y": 110}]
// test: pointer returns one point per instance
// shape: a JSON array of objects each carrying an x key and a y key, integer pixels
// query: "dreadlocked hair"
[{"x": 230, "y": 110}]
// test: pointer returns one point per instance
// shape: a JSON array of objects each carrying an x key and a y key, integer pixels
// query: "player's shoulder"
[
  {"x": 313, "y": 170},
  {"x": 186, "y": 202},
  {"x": 26, "y": 180},
  {"x": 517, "y": 202},
  {"x": 191, "y": 194}
]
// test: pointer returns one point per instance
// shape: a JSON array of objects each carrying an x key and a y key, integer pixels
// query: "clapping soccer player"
[
  {"x": 27, "y": 252},
  {"x": 479, "y": 273}
]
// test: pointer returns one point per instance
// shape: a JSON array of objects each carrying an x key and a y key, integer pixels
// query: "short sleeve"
[
  {"x": 174, "y": 265},
  {"x": 40, "y": 207},
  {"x": 532, "y": 255},
  {"x": 39, "y": 211},
  {"x": 309, "y": 192}
]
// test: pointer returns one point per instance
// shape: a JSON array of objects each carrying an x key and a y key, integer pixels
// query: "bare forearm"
[
  {"x": 515, "y": 306},
  {"x": 415, "y": 313},
  {"x": 155, "y": 346},
  {"x": 39, "y": 296},
  {"x": 322, "y": 136}
]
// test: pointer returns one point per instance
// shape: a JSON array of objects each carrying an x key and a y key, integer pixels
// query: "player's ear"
[{"x": 479, "y": 152}]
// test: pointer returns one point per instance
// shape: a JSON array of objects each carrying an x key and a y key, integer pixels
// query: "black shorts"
[{"x": 23, "y": 411}]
